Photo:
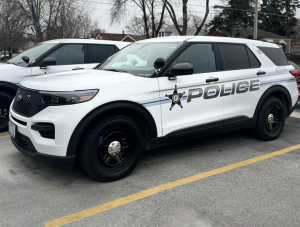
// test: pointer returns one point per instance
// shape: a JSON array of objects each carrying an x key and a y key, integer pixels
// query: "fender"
[
  {"x": 9, "y": 88},
  {"x": 269, "y": 92},
  {"x": 90, "y": 117}
]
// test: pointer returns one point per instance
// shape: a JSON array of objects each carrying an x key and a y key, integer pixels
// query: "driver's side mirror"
[
  {"x": 181, "y": 69},
  {"x": 47, "y": 62}
]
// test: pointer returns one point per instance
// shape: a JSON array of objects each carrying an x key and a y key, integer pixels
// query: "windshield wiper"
[
  {"x": 114, "y": 70},
  {"x": 17, "y": 63}
]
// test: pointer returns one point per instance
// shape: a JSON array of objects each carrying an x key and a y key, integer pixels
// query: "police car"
[
  {"x": 153, "y": 93},
  {"x": 50, "y": 57}
]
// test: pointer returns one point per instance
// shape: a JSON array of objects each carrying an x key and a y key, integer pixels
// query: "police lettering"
[{"x": 216, "y": 91}]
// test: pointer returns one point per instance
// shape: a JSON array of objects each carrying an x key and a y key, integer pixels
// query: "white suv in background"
[
  {"x": 153, "y": 93},
  {"x": 51, "y": 57}
]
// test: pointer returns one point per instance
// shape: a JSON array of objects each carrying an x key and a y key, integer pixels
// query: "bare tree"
[
  {"x": 182, "y": 28},
  {"x": 149, "y": 9},
  {"x": 55, "y": 18},
  {"x": 12, "y": 27},
  {"x": 156, "y": 25},
  {"x": 136, "y": 26}
]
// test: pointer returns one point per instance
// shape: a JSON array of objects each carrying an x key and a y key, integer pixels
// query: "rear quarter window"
[
  {"x": 275, "y": 55},
  {"x": 99, "y": 53}
]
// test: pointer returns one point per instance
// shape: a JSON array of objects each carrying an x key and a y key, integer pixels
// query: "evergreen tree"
[
  {"x": 284, "y": 21},
  {"x": 230, "y": 19}
]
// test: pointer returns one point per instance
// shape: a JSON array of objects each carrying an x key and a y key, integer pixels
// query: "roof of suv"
[
  {"x": 209, "y": 39},
  {"x": 119, "y": 44}
]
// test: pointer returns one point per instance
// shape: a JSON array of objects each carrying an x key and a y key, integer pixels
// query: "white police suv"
[
  {"x": 50, "y": 57},
  {"x": 153, "y": 93}
]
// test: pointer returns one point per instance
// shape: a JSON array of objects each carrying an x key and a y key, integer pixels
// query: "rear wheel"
[
  {"x": 270, "y": 120},
  {"x": 111, "y": 149},
  {"x": 5, "y": 101}
]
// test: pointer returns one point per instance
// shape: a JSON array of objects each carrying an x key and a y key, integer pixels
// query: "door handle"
[
  {"x": 260, "y": 73},
  {"x": 212, "y": 80},
  {"x": 77, "y": 68}
]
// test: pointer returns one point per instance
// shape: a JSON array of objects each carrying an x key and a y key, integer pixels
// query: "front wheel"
[
  {"x": 5, "y": 101},
  {"x": 111, "y": 148},
  {"x": 270, "y": 120}
]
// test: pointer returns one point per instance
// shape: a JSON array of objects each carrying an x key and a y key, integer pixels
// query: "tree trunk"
[
  {"x": 153, "y": 19},
  {"x": 204, "y": 19},
  {"x": 161, "y": 20},
  {"x": 184, "y": 17},
  {"x": 145, "y": 20}
]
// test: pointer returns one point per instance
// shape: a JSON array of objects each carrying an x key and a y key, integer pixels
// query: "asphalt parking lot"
[{"x": 263, "y": 192}]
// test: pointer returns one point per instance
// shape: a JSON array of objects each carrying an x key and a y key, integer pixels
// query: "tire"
[
  {"x": 271, "y": 111},
  {"x": 94, "y": 151},
  {"x": 5, "y": 101}
]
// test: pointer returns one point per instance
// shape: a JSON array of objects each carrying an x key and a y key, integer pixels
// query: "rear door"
[
  {"x": 99, "y": 53},
  {"x": 68, "y": 57},
  {"x": 243, "y": 71}
]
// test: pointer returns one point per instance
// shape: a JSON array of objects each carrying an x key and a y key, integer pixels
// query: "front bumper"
[
  {"x": 51, "y": 151},
  {"x": 47, "y": 159}
]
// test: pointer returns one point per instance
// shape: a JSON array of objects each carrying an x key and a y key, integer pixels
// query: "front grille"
[
  {"x": 24, "y": 143},
  {"x": 27, "y": 102}
]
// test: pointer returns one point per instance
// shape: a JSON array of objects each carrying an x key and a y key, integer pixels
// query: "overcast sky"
[{"x": 100, "y": 13}]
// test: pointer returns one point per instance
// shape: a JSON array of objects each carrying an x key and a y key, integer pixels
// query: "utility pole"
[{"x": 256, "y": 19}]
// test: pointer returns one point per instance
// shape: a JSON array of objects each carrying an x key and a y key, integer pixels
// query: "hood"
[
  {"x": 77, "y": 80},
  {"x": 13, "y": 73},
  {"x": 5, "y": 66}
]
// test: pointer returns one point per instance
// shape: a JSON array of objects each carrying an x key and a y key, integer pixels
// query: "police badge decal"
[{"x": 175, "y": 98}]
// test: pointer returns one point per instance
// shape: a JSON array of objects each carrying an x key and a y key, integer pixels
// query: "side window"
[
  {"x": 254, "y": 62},
  {"x": 200, "y": 56},
  {"x": 235, "y": 56},
  {"x": 99, "y": 53},
  {"x": 69, "y": 55},
  {"x": 275, "y": 55}
]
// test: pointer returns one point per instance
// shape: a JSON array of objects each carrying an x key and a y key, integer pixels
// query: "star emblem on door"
[{"x": 175, "y": 98}]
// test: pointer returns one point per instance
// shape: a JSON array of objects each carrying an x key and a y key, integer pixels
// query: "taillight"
[{"x": 295, "y": 74}]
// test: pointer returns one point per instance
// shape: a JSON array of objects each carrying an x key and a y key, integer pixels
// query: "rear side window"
[
  {"x": 254, "y": 62},
  {"x": 235, "y": 56},
  {"x": 275, "y": 55},
  {"x": 99, "y": 53}
]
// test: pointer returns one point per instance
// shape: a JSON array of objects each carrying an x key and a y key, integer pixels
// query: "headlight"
[{"x": 66, "y": 98}]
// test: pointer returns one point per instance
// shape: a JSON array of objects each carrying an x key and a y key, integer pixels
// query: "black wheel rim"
[
  {"x": 3, "y": 112},
  {"x": 118, "y": 159},
  {"x": 272, "y": 119}
]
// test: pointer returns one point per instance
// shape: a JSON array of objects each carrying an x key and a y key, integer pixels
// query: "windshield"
[
  {"x": 138, "y": 59},
  {"x": 33, "y": 53}
]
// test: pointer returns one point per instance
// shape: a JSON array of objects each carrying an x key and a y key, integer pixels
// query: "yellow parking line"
[
  {"x": 2, "y": 137},
  {"x": 140, "y": 195}
]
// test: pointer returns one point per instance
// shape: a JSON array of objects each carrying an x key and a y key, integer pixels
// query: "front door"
[
  {"x": 192, "y": 100},
  {"x": 68, "y": 57}
]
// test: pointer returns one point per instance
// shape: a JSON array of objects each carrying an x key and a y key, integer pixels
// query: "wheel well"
[
  {"x": 138, "y": 114},
  {"x": 278, "y": 92},
  {"x": 283, "y": 99},
  {"x": 135, "y": 116},
  {"x": 10, "y": 89}
]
